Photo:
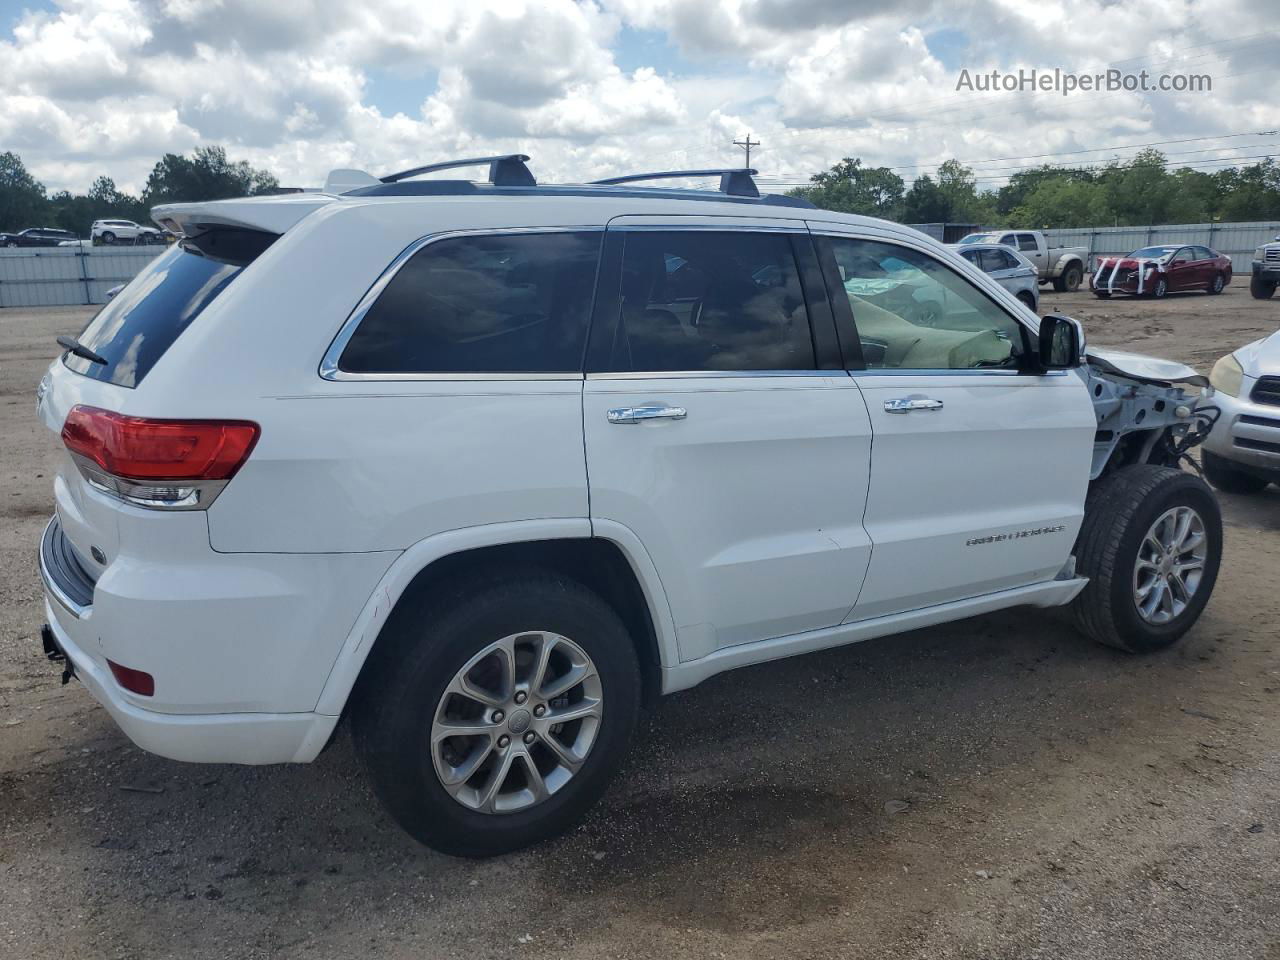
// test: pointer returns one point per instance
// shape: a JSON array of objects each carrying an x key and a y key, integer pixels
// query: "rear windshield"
[{"x": 133, "y": 331}]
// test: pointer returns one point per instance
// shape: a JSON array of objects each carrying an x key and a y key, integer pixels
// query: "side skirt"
[{"x": 1053, "y": 593}]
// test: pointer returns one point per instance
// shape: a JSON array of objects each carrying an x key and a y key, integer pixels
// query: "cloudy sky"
[{"x": 596, "y": 87}]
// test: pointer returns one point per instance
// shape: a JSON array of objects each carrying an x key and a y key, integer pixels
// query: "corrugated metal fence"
[
  {"x": 63, "y": 276},
  {"x": 1236, "y": 240}
]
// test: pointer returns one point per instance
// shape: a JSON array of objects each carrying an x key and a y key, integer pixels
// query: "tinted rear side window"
[
  {"x": 134, "y": 330},
  {"x": 505, "y": 303},
  {"x": 711, "y": 300}
]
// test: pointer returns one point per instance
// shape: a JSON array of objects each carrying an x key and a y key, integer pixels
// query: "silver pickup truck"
[
  {"x": 1061, "y": 266},
  {"x": 1266, "y": 270}
]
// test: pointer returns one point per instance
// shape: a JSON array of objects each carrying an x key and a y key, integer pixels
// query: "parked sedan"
[
  {"x": 36, "y": 237},
  {"x": 1242, "y": 454},
  {"x": 1007, "y": 267},
  {"x": 1155, "y": 271}
]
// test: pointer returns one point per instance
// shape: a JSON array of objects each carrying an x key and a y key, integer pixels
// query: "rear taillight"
[{"x": 176, "y": 464}]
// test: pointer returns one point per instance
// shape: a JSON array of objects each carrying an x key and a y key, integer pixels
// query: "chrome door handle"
[
  {"x": 908, "y": 404},
  {"x": 636, "y": 414}
]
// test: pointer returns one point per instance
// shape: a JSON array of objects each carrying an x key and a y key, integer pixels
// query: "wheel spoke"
[
  {"x": 1183, "y": 529},
  {"x": 544, "y": 658},
  {"x": 443, "y": 729},
  {"x": 576, "y": 674},
  {"x": 466, "y": 770},
  {"x": 493, "y": 785},
  {"x": 533, "y": 777},
  {"x": 563, "y": 752},
  {"x": 1178, "y": 589},
  {"x": 1143, "y": 591},
  {"x": 575, "y": 711}
]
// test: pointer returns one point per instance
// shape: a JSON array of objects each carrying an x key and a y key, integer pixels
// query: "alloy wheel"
[
  {"x": 517, "y": 722},
  {"x": 1170, "y": 565}
]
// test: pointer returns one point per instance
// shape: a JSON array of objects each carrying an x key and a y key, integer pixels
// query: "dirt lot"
[{"x": 1059, "y": 799}]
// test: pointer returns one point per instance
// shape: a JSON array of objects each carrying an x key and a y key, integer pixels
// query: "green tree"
[
  {"x": 849, "y": 187},
  {"x": 925, "y": 202},
  {"x": 1061, "y": 202},
  {"x": 965, "y": 204},
  {"x": 206, "y": 175},
  {"x": 22, "y": 197}
]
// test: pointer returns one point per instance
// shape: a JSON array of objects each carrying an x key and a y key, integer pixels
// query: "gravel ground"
[{"x": 997, "y": 788}]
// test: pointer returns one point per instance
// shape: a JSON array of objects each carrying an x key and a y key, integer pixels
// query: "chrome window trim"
[
  {"x": 703, "y": 225},
  {"x": 329, "y": 364},
  {"x": 947, "y": 372},
  {"x": 708, "y": 374}
]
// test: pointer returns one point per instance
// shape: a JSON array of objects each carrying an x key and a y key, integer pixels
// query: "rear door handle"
[
  {"x": 637, "y": 414},
  {"x": 909, "y": 404}
]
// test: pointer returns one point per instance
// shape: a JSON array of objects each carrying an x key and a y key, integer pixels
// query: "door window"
[
  {"x": 993, "y": 260},
  {"x": 1183, "y": 256},
  {"x": 512, "y": 303},
  {"x": 914, "y": 313},
  {"x": 710, "y": 300}
]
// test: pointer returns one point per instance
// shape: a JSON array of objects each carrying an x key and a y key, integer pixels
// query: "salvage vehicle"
[
  {"x": 1008, "y": 268},
  {"x": 1266, "y": 270},
  {"x": 1156, "y": 271},
  {"x": 484, "y": 467},
  {"x": 1242, "y": 453},
  {"x": 1061, "y": 266}
]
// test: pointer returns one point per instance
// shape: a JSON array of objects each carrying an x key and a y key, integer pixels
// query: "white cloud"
[{"x": 107, "y": 86}]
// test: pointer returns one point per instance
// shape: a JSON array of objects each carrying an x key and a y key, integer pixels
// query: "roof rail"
[
  {"x": 504, "y": 171},
  {"x": 735, "y": 182}
]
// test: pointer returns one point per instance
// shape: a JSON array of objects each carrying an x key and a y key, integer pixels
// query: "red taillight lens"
[
  {"x": 135, "y": 681},
  {"x": 140, "y": 448}
]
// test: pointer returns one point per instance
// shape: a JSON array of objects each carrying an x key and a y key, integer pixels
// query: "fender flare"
[
  {"x": 373, "y": 616},
  {"x": 1064, "y": 261}
]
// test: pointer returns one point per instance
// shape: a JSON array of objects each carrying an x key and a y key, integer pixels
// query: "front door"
[
  {"x": 721, "y": 429},
  {"x": 979, "y": 467}
]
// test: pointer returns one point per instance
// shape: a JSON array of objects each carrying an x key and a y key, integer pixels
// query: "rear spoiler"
[{"x": 271, "y": 214}]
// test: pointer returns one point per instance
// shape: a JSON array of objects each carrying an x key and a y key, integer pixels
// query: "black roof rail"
[
  {"x": 508, "y": 170},
  {"x": 736, "y": 182}
]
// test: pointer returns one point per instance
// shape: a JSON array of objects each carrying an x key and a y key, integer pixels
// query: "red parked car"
[{"x": 1155, "y": 271}]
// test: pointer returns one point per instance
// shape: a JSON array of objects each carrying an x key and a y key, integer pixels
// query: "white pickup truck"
[{"x": 1061, "y": 266}]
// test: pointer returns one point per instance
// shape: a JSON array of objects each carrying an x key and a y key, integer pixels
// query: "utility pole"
[{"x": 746, "y": 145}]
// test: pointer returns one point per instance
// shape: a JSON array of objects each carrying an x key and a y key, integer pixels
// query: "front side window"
[
  {"x": 710, "y": 300},
  {"x": 1027, "y": 241},
  {"x": 912, "y": 312},
  {"x": 500, "y": 303}
]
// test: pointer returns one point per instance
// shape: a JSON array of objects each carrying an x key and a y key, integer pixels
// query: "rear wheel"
[
  {"x": 1071, "y": 278},
  {"x": 1028, "y": 299},
  {"x": 1150, "y": 544},
  {"x": 497, "y": 711},
  {"x": 1226, "y": 476},
  {"x": 1261, "y": 289},
  {"x": 1218, "y": 283}
]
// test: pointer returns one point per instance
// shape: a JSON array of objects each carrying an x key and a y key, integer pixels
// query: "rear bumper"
[{"x": 252, "y": 738}]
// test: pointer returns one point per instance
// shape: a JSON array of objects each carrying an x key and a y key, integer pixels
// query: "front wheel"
[
  {"x": 497, "y": 711},
  {"x": 1102, "y": 294},
  {"x": 1150, "y": 544},
  {"x": 1160, "y": 289},
  {"x": 1261, "y": 289}
]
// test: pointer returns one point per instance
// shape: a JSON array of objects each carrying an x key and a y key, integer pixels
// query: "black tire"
[
  {"x": 1102, "y": 294},
  {"x": 108, "y": 237},
  {"x": 1217, "y": 284},
  {"x": 422, "y": 648},
  {"x": 1118, "y": 513},
  {"x": 1028, "y": 299},
  {"x": 1160, "y": 288},
  {"x": 1071, "y": 278},
  {"x": 1261, "y": 289},
  {"x": 1227, "y": 477},
  {"x": 1058, "y": 285}
]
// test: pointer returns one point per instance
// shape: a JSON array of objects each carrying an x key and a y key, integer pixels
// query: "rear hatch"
[{"x": 128, "y": 337}]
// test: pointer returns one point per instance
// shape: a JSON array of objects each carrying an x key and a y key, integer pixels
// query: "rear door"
[
  {"x": 979, "y": 467},
  {"x": 1030, "y": 248},
  {"x": 721, "y": 429}
]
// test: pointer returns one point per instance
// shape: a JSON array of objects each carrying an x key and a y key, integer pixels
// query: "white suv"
[
  {"x": 114, "y": 231},
  {"x": 486, "y": 466}
]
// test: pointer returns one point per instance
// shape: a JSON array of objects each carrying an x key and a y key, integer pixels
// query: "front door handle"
[
  {"x": 637, "y": 414},
  {"x": 908, "y": 404}
]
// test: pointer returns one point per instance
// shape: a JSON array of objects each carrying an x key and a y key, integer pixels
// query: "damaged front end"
[{"x": 1145, "y": 412}]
